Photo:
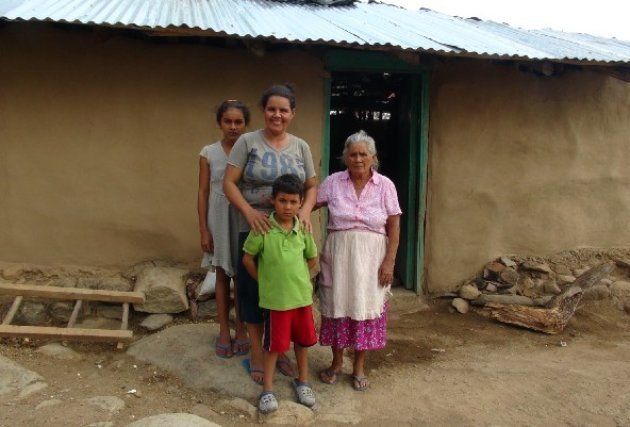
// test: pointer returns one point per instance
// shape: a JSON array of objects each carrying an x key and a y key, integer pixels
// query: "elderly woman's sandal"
[
  {"x": 328, "y": 376},
  {"x": 360, "y": 382}
]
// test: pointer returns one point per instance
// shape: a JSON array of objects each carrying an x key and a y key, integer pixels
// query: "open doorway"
[{"x": 385, "y": 105}]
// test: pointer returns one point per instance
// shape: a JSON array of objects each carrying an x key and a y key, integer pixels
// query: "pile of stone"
[{"x": 533, "y": 281}]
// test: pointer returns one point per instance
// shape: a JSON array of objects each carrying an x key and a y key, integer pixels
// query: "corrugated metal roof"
[{"x": 365, "y": 25}]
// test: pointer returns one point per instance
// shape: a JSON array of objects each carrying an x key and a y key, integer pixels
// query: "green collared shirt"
[{"x": 284, "y": 281}]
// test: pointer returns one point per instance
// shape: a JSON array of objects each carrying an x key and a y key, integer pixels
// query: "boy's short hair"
[{"x": 288, "y": 184}]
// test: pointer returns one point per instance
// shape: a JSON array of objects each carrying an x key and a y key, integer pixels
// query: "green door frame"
[{"x": 381, "y": 62}]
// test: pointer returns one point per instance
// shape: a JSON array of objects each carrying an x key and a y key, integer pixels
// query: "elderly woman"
[
  {"x": 256, "y": 160},
  {"x": 357, "y": 264}
]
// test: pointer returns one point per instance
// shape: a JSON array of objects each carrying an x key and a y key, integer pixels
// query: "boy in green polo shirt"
[{"x": 280, "y": 260}]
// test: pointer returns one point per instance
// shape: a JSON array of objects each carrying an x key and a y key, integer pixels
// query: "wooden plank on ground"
[
  {"x": 56, "y": 292},
  {"x": 124, "y": 324},
  {"x": 14, "y": 308},
  {"x": 68, "y": 334},
  {"x": 75, "y": 313}
]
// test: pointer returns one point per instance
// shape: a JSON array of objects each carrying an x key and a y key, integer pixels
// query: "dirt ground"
[{"x": 439, "y": 368}]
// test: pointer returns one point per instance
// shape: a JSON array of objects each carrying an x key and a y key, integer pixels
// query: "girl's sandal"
[
  {"x": 223, "y": 351},
  {"x": 240, "y": 347},
  {"x": 328, "y": 376},
  {"x": 360, "y": 382}
]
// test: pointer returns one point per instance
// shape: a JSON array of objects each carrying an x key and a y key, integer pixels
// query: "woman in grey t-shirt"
[{"x": 256, "y": 160}]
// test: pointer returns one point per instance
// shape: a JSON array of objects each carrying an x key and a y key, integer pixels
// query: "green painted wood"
[
  {"x": 423, "y": 168},
  {"x": 325, "y": 161},
  {"x": 416, "y": 191},
  {"x": 325, "y": 153},
  {"x": 411, "y": 228},
  {"x": 354, "y": 60}
]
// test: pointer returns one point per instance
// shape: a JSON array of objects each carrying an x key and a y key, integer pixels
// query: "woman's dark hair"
[
  {"x": 288, "y": 184},
  {"x": 285, "y": 91},
  {"x": 232, "y": 103}
]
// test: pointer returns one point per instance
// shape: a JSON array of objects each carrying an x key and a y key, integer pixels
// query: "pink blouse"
[{"x": 378, "y": 201}]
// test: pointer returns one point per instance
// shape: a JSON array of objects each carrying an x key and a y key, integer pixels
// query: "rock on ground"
[
  {"x": 492, "y": 270},
  {"x": 461, "y": 305},
  {"x": 606, "y": 282},
  {"x": 48, "y": 403},
  {"x": 534, "y": 266},
  {"x": 17, "y": 381},
  {"x": 98, "y": 323},
  {"x": 61, "y": 311},
  {"x": 186, "y": 352},
  {"x": 102, "y": 424},
  {"x": 115, "y": 284},
  {"x": 32, "y": 313},
  {"x": 551, "y": 288},
  {"x": 289, "y": 413},
  {"x": 597, "y": 292},
  {"x": 240, "y": 405},
  {"x": 562, "y": 270},
  {"x": 58, "y": 351},
  {"x": 164, "y": 289},
  {"x": 173, "y": 420},
  {"x": 564, "y": 279},
  {"x": 507, "y": 262},
  {"x": 469, "y": 292},
  {"x": 525, "y": 287},
  {"x": 509, "y": 275},
  {"x": 204, "y": 411},
  {"x": 65, "y": 282},
  {"x": 109, "y": 311},
  {"x": 156, "y": 321},
  {"x": 579, "y": 271},
  {"x": 111, "y": 404},
  {"x": 620, "y": 289},
  {"x": 207, "y": 308}
]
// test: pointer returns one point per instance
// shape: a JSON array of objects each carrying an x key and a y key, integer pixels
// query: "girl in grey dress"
[{"x": 218, "y": 224}]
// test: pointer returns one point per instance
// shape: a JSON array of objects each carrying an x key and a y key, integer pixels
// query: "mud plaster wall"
[
  {"x": 100, "y": 135},
  {"x": 523, "y": 164}
]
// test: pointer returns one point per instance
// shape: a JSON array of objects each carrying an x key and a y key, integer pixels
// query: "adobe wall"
[
  {"x": 523, "y": 164},
  {"x": 100, "y": 135}
]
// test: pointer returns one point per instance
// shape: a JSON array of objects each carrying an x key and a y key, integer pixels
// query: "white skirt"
[{"x": 348, "y": 285}]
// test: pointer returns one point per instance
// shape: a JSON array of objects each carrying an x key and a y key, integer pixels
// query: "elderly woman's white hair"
[{"x": 361, "y": 136}]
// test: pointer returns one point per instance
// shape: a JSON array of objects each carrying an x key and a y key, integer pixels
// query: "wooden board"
[
  {"x": 55, "y": 292},
  {"x": 68, "y": 334},
  {"x": 12, "y": 311}
]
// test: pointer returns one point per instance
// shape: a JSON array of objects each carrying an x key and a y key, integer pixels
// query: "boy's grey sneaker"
[
  {"x": 267, "y": 402},
  {"x": 304, "y": 392}
]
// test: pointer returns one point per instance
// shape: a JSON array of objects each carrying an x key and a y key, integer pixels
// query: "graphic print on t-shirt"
[{"x": 271, "y": 165}]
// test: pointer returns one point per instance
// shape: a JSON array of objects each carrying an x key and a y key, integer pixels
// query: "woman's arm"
[
  {"x": 257, "y": 220},
  {"x": 386, "y": 270},
  {"x": 310, "y": 196},
  {"x": 207, "y": 244}
]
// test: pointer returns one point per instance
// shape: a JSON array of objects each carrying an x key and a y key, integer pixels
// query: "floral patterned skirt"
[{"x": 356, "y": 334}]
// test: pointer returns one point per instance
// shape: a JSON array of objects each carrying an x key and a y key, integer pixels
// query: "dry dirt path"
[{"x": 439, "y": 369}]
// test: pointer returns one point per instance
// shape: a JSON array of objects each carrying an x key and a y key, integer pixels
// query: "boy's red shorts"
[{"x": 282, "y": 327}]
